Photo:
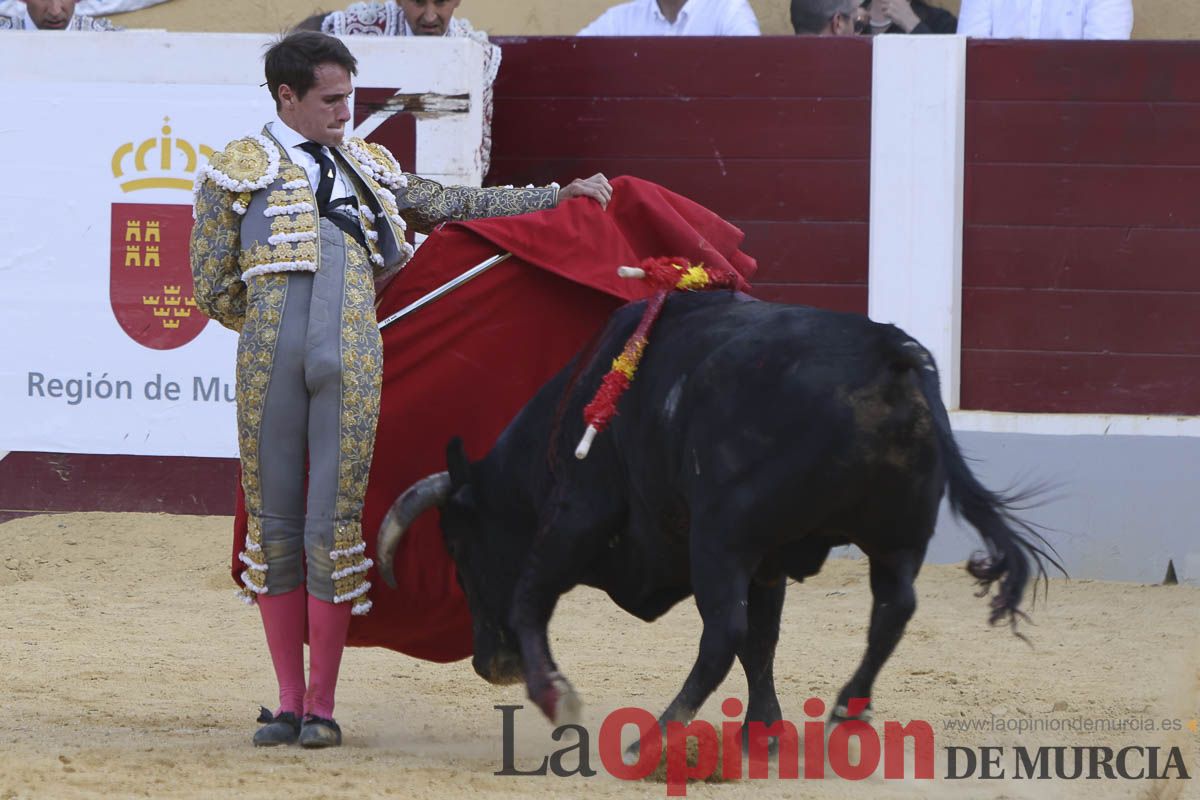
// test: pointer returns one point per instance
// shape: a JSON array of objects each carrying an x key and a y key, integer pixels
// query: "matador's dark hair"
[{"x": 294, "y": 59}]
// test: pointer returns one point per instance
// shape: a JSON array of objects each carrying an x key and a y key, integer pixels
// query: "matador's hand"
[{"x": 596, "y": 187}]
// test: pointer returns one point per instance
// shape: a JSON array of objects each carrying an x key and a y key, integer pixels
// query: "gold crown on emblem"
[{"x": 174, "y": 158}]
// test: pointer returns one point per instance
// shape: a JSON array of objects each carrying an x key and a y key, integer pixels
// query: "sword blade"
[{"x": 446, "y": 288}]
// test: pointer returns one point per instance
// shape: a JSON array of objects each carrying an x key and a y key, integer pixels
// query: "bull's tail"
[{"x": 1015, "y": 549}]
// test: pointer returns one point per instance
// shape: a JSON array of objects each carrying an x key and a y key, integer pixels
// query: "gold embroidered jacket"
[{"x": 256, "y": 212}]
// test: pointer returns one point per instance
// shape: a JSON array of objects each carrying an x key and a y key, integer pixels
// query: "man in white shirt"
[
  {"x": 1046, "y": 19},
  {"x": 676, "y": 18},
  {"x": 54, "y": 15}
]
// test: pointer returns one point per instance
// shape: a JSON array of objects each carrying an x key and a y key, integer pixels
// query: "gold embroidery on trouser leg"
[
  {"x": 362, "y": 374},
  {"x": 255, "y": 356}
]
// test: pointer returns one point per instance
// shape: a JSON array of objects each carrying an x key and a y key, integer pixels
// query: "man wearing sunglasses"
[{"x": 828, "y": 17}]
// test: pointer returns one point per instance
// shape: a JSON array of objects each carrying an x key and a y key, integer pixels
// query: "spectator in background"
[
  {"x": 54, "y": 15},
  {"x": 399, "y": 18},
  {"x": 1046, "y": 19},
  {"x": 903, "y": 16},
  {"x": 421, "y": 18},
  {"x": 827, "y": 17},
  {"x": 676, "y": 18}
]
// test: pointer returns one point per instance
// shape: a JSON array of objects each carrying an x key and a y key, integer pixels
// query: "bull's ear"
[{"x": 458, "y": 464}]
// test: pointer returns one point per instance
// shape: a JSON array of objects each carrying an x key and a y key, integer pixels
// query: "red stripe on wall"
[
  {"x": 64, "y": 482},
  {"x": 768, "y": 67},
  {"x": 1047, "y": 382},
  {"x": 1071, "y": 196},
  {"x": 836, "y": 297},
  {"x": 1063, "y": 71},
  {"x": 719, "y": 128},
  {"x": 772, "y": 134},
  {"x": 1154, "y": 323},
  {"x": 761, "y": 190},
  {"x": 1140, "y": 133},
  {"x": 1139, "y": 259},
  {"x": 808, "y": 251}
]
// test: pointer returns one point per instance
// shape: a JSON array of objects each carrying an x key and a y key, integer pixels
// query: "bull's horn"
[{"x": 416, "y": 500}]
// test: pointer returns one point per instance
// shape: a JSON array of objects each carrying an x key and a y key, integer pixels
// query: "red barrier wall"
[
  {"x": 1081, "y": 207},
  {"x": 1082, "y": 225},
  {"x": 773, "y": 134},
  {"x": 63, "y": 482}
]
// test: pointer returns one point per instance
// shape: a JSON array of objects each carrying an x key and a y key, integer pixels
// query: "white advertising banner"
[{"x": 104, "y": 350}]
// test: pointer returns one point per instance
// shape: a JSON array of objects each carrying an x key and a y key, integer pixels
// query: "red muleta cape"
[{"x": 465, "y": 364}]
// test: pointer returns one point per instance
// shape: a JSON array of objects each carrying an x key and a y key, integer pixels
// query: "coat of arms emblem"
[{"x": 150, "y": 278}]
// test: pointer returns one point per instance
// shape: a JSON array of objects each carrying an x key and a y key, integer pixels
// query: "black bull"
[{"x": 754, "y": 438}]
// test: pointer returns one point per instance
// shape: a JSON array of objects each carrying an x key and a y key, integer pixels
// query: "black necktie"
[
  {"x": 325, "y": 165},
  {"x": 344, "y": 212}
]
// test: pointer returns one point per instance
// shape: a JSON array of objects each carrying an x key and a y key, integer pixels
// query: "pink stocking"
[
  {"x": 328, "y": 624},
  {"x": 283, "y": 621}
]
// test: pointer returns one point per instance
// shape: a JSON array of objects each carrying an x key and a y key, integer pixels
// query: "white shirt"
[
  {"x": 292, "y": 141},
  {"x": 1046, "y": 19},
  {"x": 696, "y": 18}
]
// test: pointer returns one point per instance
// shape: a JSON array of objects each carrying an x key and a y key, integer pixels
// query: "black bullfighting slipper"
[
  {"x": 319, "y": 732},
  {"x": 276, "y": 730}
]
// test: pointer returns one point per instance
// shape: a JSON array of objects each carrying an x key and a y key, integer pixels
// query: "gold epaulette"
[
  {"x": 245, "y": 165},
  {"x": 376, "y": 161}
]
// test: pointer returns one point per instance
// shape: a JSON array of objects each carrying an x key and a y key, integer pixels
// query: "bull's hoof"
[
  {"x": 546, "y": 699},
  {"x": 842, "y": 714},
  {"x": 749, "y": 741},
  {"x": 633, "y": 753},
  {"x": 570, "y": 704},
  {"x": 558, "y": 700}
]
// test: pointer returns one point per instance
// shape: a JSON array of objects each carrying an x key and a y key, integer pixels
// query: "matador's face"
[
  {"x": 51, "y": 15},
  {"x": 428, "y": 17},
  {"x": 322, "y": 113}
]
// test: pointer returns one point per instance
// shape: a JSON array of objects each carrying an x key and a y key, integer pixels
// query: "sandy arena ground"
[{"x": 127, "y": 669}]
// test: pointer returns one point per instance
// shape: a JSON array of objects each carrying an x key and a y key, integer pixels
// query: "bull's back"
[
  {"x": 718, "y": 362},
  {"x": 771, "y": 410}
]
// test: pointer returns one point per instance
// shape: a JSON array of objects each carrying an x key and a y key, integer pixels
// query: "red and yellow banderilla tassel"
[
  {"x": 680, "y": 274},
  {"x": 665, "y": 275}
]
